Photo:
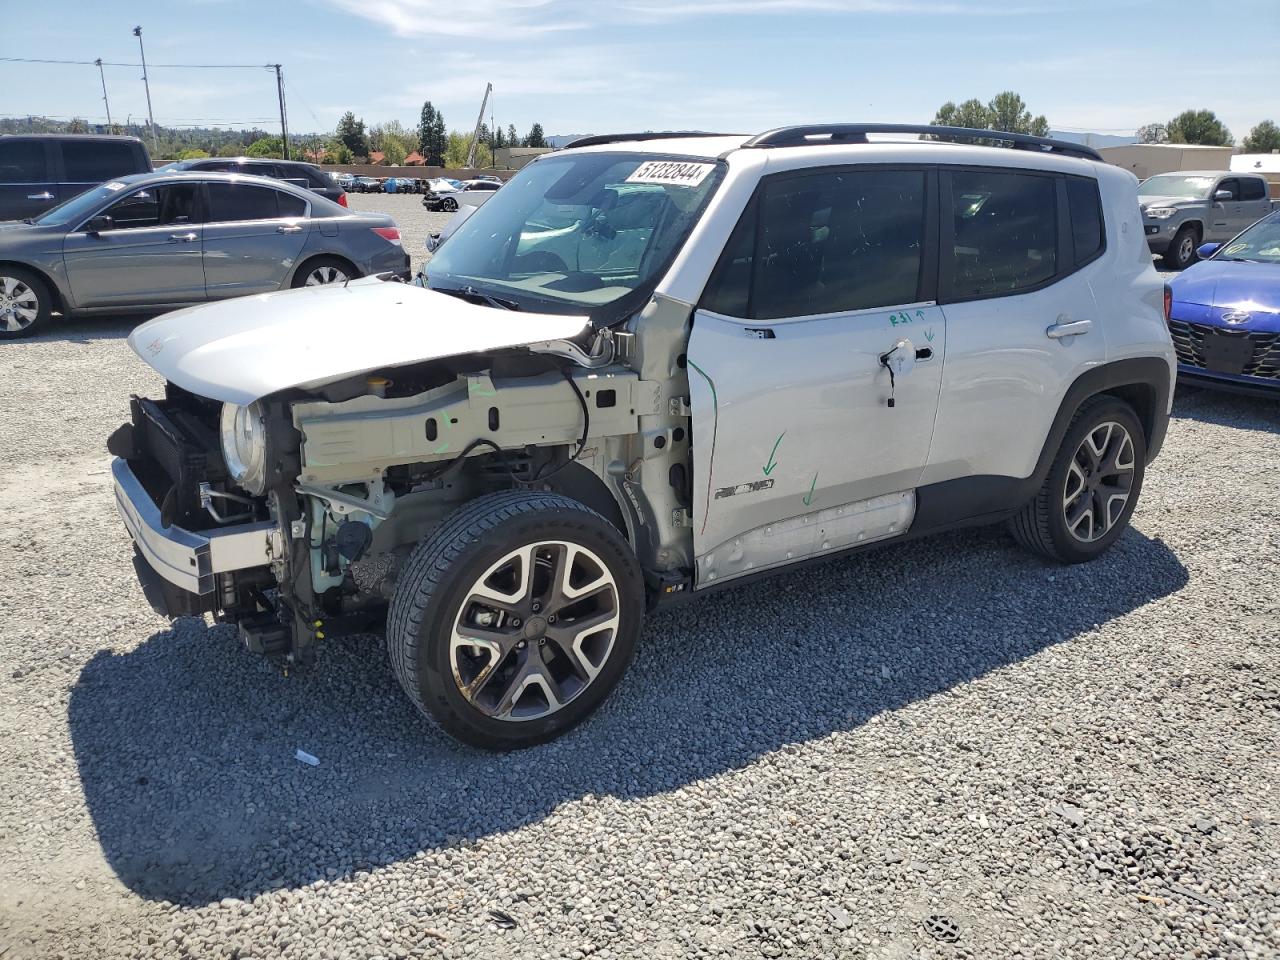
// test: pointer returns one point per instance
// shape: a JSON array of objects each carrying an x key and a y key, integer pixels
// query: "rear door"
[
  {"x": 89, "y": 161},
  {"x": 28, "y": 186},
  {"x": 252, "y": 238},
  {"x": 798, "y": 450},
  {"x": 1254, "y": 201},
  {"x": 151, "y": 256}
]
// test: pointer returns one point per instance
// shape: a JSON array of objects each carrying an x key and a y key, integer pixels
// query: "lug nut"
[
  {"x": 551, "y": 619},
  {"x": 515, "y": 621},
  {"x": 536, "y": 606}
]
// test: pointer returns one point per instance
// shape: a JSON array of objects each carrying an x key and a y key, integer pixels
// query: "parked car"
[
  {"x": 441, "y": 194},
  {"x": 648, "y": 368},
  {"x": 308, "y": 176},
  {"x": 366, "y": 185},
  {"x": 1225, "y": 318},
  {"x": 343, "y": 179},
  {"x": 473, "y": 193},
  {"x": 1180, "y": 211},
  {"x": 489, "y": 176},
  {"x": 165, "y": 240},
  {"x": 39, "y": 171}
]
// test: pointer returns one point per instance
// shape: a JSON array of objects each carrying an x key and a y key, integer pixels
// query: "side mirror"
[
  {"x": 1207, "y": 250},
  {"x": 1223, "y": 195},
  {"x": 99, "y": 224}
]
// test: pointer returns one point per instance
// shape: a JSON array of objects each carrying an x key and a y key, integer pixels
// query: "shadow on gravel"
[
  {"x": 186, "y": 744},
  {"x": 1225, "y": 409},
  {"x": 90, "y": 329}
]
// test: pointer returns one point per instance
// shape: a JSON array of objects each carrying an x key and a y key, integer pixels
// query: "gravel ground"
[
  {"x": 414, "y": 220},
  {"x": 1060, "y": 762}
]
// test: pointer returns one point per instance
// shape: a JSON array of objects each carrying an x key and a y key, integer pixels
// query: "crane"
[{"x": 475, "y": 139}]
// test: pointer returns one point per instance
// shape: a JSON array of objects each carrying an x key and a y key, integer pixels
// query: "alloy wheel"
[
  {"x": 1099, "y": 480},
  {"x": 534, "y": 631},
  {"x": 1186, "y": 248},
  {"x": 19, "y": 305},
  {"x": 325, "y": 274}
]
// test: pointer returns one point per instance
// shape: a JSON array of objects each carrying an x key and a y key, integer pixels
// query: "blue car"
[{"x": 1225, "y": 316}]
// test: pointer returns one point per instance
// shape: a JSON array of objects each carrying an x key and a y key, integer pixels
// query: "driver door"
[
  {"x": 797, "y": 449},
  {"x": 151, "y": 255}
]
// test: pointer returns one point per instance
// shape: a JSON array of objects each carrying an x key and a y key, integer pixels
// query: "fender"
[{"x": 1145, "y": 383}]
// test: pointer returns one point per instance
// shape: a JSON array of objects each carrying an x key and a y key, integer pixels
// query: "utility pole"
[
  {"x": 151, "y": 120},
  {"x": 103, "y": 77},
  {"x": 475, "y": 139},
  {"x": 284, "y": 123}
]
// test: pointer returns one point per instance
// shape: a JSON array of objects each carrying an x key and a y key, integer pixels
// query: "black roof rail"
[
  {"x": 602, "y": 138},
  {"x": 822, "y": 134}
]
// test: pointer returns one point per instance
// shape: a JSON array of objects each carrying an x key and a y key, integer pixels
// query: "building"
[{"x": 1147, "y": 159}]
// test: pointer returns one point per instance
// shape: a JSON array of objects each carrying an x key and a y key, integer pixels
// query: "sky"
[{"x": 594, "y": 66}]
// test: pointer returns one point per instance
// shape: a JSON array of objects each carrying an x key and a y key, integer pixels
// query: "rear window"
[
  {"x": 291, "y": 206},
  {"x": 1004, "y": 234},
  {"x": 1252, "y": 188},
  {"x": 1086, "y": 218},
  {"x": 22, "y": 161},
  {"x": 244, "y": 201},
  {"x": 92, "y": 161}
]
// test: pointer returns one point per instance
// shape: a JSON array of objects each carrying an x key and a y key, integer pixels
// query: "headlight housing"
[
  {"x": 244, "y": 445},
  {"x": 1160, "y": 213}
]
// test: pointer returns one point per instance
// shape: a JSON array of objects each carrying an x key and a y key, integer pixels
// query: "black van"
[{"x": 38, "y": 171}]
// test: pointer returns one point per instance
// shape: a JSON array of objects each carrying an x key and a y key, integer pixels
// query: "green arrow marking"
[
  {"x": 768, "y": 467},
  {"x": 928, "y": 335},
  {"x": 808, "y": 497}
]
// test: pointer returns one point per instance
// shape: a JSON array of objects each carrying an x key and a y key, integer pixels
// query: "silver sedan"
[{"x": 161, "y": 241}]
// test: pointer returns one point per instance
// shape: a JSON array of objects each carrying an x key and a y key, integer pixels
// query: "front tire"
[
  {"x": 1182, "y": 248},
  {"x": 25, "y": 303},
  {"x": 1092, "y": 487},
  {"x": 449, "y": 205},
  {"x": 515, "y": 619}
]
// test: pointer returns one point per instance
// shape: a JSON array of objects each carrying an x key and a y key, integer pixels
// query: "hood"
[
  {"x": 1167, "y": 202},
  {"x": 242, "y": 349},
  {"x": 1230, "y": 283}
]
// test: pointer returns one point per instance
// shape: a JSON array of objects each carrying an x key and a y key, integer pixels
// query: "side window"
[
  {"x": 163, "y": 206},
  {"x": 291, "y": 206},
  {"x": 1004, "y": 234},
  {"x": 1086, "y": 218},
  {"x": 1251, "y": 188},
  {"x": 22, "y": 161},
  {"x": 828, "y": 242},
  {"x": 229, "y": 202},
  {"x": 318, "y": 179},
  {"x": 93, "y": 161},
  {"x": 1231, "y": 185}
]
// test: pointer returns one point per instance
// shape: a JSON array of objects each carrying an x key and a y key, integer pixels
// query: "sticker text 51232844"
[{"x": 671, "y": 173}]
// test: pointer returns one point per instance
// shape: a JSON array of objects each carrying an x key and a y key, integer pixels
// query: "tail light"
[
  {"x": 1168, "y": 303},
  {"x": 342, "y": 199},
  {"x": 389, "y": 234}
]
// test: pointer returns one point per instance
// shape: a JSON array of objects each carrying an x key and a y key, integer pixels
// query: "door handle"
[
  {"x": 40, "y": 196},
  {"x": 183, "y": 237},
  {"x": 289, "y": 228},
  {"x": 1068, "y": 328}
]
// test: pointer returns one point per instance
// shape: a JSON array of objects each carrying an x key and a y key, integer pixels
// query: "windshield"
[
  {"x": 579, "y": 233},
  {"x": 1173, "y": 185},
  {"x": 77, "y": 208},
  {"x": 1260, "y": 243}
]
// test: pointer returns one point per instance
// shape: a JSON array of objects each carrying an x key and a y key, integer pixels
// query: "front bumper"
[
  {"x": 1159, "y": 234},
  {"x": 189, "y": 560}
]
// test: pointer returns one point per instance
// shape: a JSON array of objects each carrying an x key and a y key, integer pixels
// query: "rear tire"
[
  {"x": 1182, "y": 249},
  {"x": 515, "y": 618},
  {"x": 25, "y": 303},
  {"x": 1092, "y": 487},
  {"x": 323, "y": 271}
]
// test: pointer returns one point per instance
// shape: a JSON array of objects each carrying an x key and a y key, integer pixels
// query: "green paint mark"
[
  {"x": 768, "y": 467},
  {"x": 482, "y": 392},
  {"x": 442, "y": 448},
  {"x": 928, "y": 335},
  {"x": 808, "y": 497},
  {"x": 715, "y": 422}
]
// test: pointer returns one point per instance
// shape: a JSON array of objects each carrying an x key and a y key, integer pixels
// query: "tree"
[
  {"x": 432, "y": 138},
  {"x": 426, "y": 122},
  {"x": 336, "y": 152},
  {"x": 1264, "y": 138},
  {"x": 1199, "y": 127},
  {"x": 513, "y": 138},
  {"x": 231, "y": 150},
  {"x": 1006, "y": 111},
  {"x": 193, "y": 154},
  {"x": 266, "y": 147},
  {"x": 351, "y": 133},
  {"x": 394, "y": 149},
  {"x": 499, "y": 139},
  {"x": 77, "y": 126},
  {"x": 1153, "y": 133},
  {"x": 536, "y": 138},
  {"x": 459, "y": 144}
]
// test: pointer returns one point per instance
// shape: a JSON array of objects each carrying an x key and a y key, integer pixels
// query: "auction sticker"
[{"x": 671, "y": 173}]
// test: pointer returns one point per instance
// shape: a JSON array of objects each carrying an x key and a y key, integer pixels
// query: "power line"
[{"x": 167, "y": 66}]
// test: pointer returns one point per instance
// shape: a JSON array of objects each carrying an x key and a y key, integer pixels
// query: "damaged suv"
[{"x": 649, "y": 367}]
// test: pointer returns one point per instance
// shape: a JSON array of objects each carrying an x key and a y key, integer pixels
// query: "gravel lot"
[
  {"x": 1062, "y": 762},
  {"x": 414, "y": 220}
]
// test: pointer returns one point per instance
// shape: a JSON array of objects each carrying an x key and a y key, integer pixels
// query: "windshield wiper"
[{"x": 471, "y": 293}]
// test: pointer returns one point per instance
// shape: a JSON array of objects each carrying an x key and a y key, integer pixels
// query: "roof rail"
[
  {"x": 602, "y": 138},
  {"x": 822, "y": 134}
]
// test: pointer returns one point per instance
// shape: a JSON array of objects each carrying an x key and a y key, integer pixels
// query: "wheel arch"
[
  {"x": 321, "y": 255},
  {"x": 59, "y": 300},
  {"x": 578, "y": 483}
]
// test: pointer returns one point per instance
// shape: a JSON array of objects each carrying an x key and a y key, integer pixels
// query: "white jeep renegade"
[{"x": 651, "y": 366}]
